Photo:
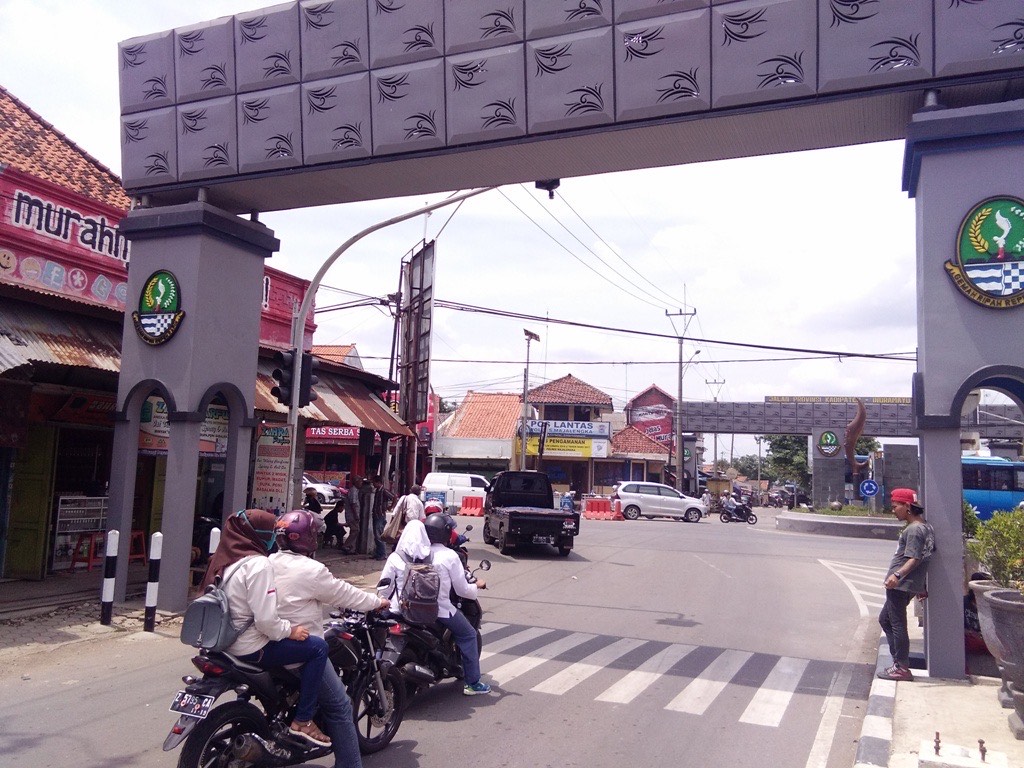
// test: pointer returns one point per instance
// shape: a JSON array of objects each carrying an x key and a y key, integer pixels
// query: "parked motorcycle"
[
  {"x": 741, "y": 514},
  {"x": 240, "y": 734},
  {"x": 426, "y": 655}
]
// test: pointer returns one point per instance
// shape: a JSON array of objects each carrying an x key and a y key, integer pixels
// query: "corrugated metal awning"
[
  {"x": 33, "y": 334},
  {"x": 340, "y": 400}
]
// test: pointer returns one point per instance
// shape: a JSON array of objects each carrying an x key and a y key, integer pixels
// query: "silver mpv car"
[{"x": 657, "y": 500}]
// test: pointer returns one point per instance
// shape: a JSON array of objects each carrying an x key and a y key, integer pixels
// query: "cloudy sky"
[{"x": 810, "y": 250}]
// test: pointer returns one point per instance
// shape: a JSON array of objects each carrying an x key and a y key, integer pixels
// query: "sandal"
[{"x": 310, "y": 732}]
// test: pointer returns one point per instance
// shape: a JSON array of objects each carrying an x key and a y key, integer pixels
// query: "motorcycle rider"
[
  {"x": 305, "y": 587},
  {"x": 730, "y": 504},
  {"x": 431, "y": 538},
  {"x": 269, "y": 640}
]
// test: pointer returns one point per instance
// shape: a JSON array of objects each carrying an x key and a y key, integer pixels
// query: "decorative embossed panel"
[
  {"x": 146, "y": 72},
  {"x": 972, "y": 37},
  {"x": 872, "y": 44},
  {"x": 569, "y": 81},
  {"x": 204, "y": 60},
  {"x": 470, "y": 25},
  {"x": 486, "y": 95},
  {"x": 267, "y": 48},
  {"x": 334, "y": 36},
  {"x": 336, "y": 119},
  {"x": 763, "y": 51},
  {"x": 269, "y": 129},
  {"x": 149, "y": 153},
  {"x": 663, "y": 66},
  {"x": 632, "y": 10},
  {"x": 585, "y": 64},
  {"x": 403, "y": 31},
  {"x": 561, "y": 17},
  {"x": 207, "y": 139},
  {"x": 407, "y": 107}
]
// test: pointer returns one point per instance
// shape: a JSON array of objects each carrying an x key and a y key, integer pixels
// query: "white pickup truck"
[{"x": 450, "y": 488}]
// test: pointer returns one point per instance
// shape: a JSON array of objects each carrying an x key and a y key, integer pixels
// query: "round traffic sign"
[{"x": 868, "y": 488}]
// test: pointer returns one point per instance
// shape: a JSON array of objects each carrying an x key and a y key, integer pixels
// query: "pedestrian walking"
[
  {"x": 904, "y": 579},
  {"x": 382, "y": 499},
  {"x": 353, "y": 511}
]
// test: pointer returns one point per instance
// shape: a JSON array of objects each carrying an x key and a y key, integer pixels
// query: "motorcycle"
[
  {"x": 240, "y": 734},
  {"x": 741, "y": 514},
  {"x": 426, "y": 655}
]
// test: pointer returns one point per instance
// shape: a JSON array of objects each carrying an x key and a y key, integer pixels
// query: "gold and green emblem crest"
[
  {"x": 159, "y": 313},
  {"x": 989, "y": 264}
]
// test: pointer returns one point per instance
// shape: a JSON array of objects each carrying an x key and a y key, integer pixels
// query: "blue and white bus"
[{"x": 992, "y": 483}]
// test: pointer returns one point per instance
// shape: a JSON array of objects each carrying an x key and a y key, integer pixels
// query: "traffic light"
[
  {"x": 307, "y": 378},
  {"x": 285, "y": 362}
]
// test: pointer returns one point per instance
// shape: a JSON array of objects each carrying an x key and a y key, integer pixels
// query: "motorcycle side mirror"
[
  {"x": 384, "y": 583},
  {"x": 468, "y": 528},
  {"x": 485, "y": 565}
]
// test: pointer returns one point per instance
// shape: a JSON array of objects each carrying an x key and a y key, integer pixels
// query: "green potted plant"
[{"x": 999, "y": 545}]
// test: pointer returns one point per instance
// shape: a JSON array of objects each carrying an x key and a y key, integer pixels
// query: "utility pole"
[
  {"x": 679, "y": 400},
  {"x": 719, "y": 384},
  {"x": 523, "y": 433}
]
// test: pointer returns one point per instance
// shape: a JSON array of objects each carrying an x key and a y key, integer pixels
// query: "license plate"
[
  {"x": 543, "y": 539},
  {"x": 192, "y": 704}
]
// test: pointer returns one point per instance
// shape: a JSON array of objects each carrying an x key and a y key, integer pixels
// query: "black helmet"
[{"x": 439, "y": 528}]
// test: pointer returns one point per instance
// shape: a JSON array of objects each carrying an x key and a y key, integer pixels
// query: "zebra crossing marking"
[
  {"x": 576, "y": 673},
  {"x": 772, "y": 698},
  {"x": 696, "y": 697},
  {"x": 644, "y": 676},
  {"x": 513, "y": 640},
  {"x": 513, "y": 669},
  {"x": 766, "y": 707}
]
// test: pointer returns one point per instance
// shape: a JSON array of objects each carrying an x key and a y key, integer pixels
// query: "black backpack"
[
  {"x": 418, "y": 601},
  {"x": 207, "y": 621}
]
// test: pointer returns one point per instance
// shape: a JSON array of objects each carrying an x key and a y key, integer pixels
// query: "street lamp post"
[
  {"x": 530, "y": 336},
  {"x": 299, "y": 316}
]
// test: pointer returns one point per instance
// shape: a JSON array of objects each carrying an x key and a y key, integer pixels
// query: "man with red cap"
[{"x": 904, "y": 579}]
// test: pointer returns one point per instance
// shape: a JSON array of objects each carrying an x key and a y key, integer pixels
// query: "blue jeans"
[
  {"x": 336, "y": 714},
  {"x": 465, "y": 638},
  {"x": 378, "y": 543},
  {"x": 893, "y": 619},
  {"x": 311, "y": 653}
]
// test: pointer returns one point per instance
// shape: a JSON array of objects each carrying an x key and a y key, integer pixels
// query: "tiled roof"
[
  {"x": 569, "y": 390},
  {"x": 649, "y": 390},
  {"x": 632, "y": 440},
  {"x": 34, "y": 146},
  {"x": 485, "y": 415},
  {"x": 338, "y": 353}
]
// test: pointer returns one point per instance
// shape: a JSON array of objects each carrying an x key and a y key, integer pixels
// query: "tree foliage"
[
  {"x": 747, "y": 465},
  {"x": 787, "y": 458}
]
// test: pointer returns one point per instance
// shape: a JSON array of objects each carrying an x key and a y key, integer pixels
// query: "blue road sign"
[{"x": 868, "y": 488}]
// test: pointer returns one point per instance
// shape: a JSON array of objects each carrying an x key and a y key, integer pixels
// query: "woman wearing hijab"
[
  {"x": 413, "y": 546},
  {"x": 267, "y": 640}
]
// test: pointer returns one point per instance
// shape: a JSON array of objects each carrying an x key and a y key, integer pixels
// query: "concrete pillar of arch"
[
  {"x": 217, "y": 261},
  {"x": 958, "y": 162}
]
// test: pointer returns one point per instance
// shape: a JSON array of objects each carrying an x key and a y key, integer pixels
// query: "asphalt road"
[{"x": 697, "y": 644}]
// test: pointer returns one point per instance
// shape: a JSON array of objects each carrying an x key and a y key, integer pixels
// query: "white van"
[{"x": 452, "y": 488}]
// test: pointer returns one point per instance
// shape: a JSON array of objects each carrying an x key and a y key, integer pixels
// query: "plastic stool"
[
  {"x": 137, "y": 548},
  {"x": 93, "y": 542}
]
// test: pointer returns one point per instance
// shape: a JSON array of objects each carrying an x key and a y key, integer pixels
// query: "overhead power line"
[{"x": 902, "y": 356}]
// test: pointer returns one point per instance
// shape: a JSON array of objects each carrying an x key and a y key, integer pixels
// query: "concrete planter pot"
[
  {"x": 1007, "y": 609},
  {"x": 988, "y": 632}
]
